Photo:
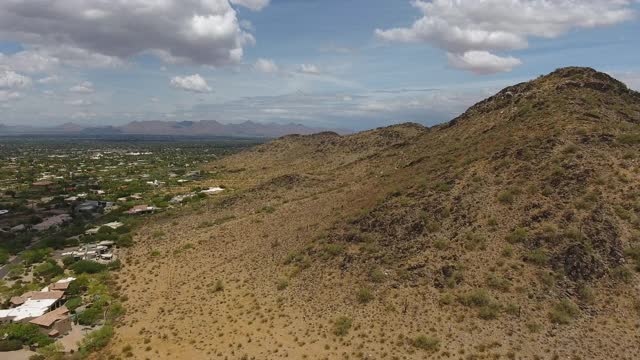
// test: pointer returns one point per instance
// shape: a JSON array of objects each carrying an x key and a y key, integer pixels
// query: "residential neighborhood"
[{"x": 67, "y": 211}]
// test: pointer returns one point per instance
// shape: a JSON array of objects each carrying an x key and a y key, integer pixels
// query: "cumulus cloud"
[
  {"x": 13, "y": 80},
  {"x": 85, "y": 87},
  {"x": 78, "y": 102},
  {"x": 469, "y": 30},
  {"x": 107, "y": 32},
  {"x": 49, "y": 79},
  {"x": 255, "y": 5},
  {"x": 266, "y": 66},
  {"x": 8, "y": 95},
  {"x": 482, "y": 62},
  {"x": 193, "y": 83},
  {"x": 309, "y": 69}
]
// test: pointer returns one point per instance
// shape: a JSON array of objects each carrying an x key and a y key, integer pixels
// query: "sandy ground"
[
  {"x": 16, "y": 355},
  {"x": 71, "y": 340}
]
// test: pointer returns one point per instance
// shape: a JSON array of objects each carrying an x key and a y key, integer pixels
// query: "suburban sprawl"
[{"x": 67, "y": 209}]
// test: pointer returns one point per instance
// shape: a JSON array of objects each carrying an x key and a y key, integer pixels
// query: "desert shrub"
[
  {"x": 96, "y": 340},
  {"x": 441, "y": 243},
  {"x": 87, "y": 267},
  {"x": 506, "y": 197},
  {"x": 125, "y": 240},
  {"x": 586, "y": 293},
  {"x": 376, "y": 275},
  {"x": 622, "y": 273},
  {"x": 475, "y": 298},
  {"x": 68, "y": 261},
  {"x": 35, "y": 256},
  {"x": 10, "y": 345},
  {"x": 518, "y": 235},
  {"x": 629, "y": 139},
  {"x": 474, "y": 241},
  {"x": 426, "y": 343},
  {"x": 490, "y": 311},
  {"x": 497, "y": 282},
  {"x": 564, "y": 312},
  {"x": 282, "y": 284},
  {"x": 90, "y": 316},
  {"x": 333, "y": 249},
  {"x": 507, "y": 251},
  {"x": 538, "y": 257},
  {"x": 48, "y": 269},
  {"x": 26, "y": 333},
  {"x": 341, "y": 326},
  {"x": 73, "y": 303},
  {"x": 364, "y": 295},
  {"x": 433, "y": 226}
]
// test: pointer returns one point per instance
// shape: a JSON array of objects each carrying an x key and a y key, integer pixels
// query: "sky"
[{"x": 348, "y": 64}]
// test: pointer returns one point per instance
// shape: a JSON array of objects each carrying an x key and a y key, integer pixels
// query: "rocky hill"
[{"x": 512, "y": 231}]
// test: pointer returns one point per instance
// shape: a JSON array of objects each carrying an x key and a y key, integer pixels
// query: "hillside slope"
[{"x": 512, "y": 231}]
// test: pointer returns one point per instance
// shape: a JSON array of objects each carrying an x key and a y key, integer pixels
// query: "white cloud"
[
  {"x": 83, "y": 88},
  {"x": 107, "y": 33},
  {"x": 266, "y": 66},
  {"x": 193, "y": 83},
  {"x": 465, "y": 28},
  {"x": 482, "y": 62},
  {"x": 49, "y": 79},
  {"x": 255, "y": 5},
  {"x": 13, "y": 80},
  {"x": 309, "y": 69},
  {"x": 78, "y": 102},
  {"x": 8, "y": 95}
]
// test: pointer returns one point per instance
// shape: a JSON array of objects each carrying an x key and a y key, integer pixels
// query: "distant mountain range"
[{"x": 172, "y": 128}]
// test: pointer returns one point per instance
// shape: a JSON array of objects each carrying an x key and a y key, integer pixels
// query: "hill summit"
[{"x": 512, "y": 231}]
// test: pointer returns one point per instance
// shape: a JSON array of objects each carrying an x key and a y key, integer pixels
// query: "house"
[
  {"x": 141, "y": 209},
  {"x": 50, "y": 222},
  {"x": 31, "y": 305},
  {"x": 2, "y": 212},
  {"x": 44, "y": 184},
  {"x": 93, "y": 207},
  {"x": 113, "y": 225},
  {"x": 54, "y": 323}
]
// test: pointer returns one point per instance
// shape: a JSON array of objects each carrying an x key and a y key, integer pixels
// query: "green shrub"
[
  {"x": 218, "y": 286},
  {"x": 376, "y": 275},
  {"x": 622, "y": 273},
  {"x": 282, "y": 284},
  {"x": 96, "y": 340},
  {"x": 426, "y": 343},
  {"x": 68, "y": 261},
  {"x": 87, "y": 267},
  {"x": 538, "y": 257},
  {"x": 564, "y": 312},
  {"x": 519, "y": 235},
  {"x": 499, "y": 283},
  {"x": 26, "y": 333},
  {"x": 506, "y": 197},
  {"x": 364, "y": 295},
  {"x": 73, "y": 303},
  {"x": 333, "y": 249},
  {"x": 489, "y": 311},
  {"x": 341, "y": 326},
  {"x": 48, "y": 269},
  {"x": 90, "y": 316},
  {"x": 10, "y": 345},
  {"x": 475, "y": 298}
]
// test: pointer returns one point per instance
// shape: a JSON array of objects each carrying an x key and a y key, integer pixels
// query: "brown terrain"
[{"x": 511, "y": 232}]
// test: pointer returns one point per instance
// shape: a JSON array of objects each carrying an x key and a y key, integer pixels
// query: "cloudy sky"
[{"x": 353, "y": 64}]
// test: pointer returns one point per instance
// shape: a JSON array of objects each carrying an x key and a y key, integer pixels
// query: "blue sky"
[{"x": 325, "y": 63}]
